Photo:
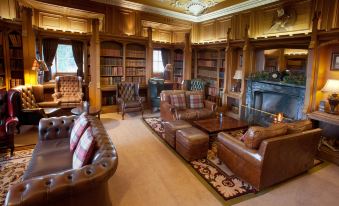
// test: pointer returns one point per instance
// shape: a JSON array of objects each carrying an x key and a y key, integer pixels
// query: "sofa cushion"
[
  {"x": 84, "y": 150},
  {"x": 196, "y": 101},
  {"x": 255, "y": 135},
  {"x": 298, "y": 126},
  {"x": 50, "y": 156},
  {"x": 79, "y": 128},
  {"x": 132, "y": 104},
  {"x": 178, "y": 101},
  {"x": 70, "y": 99}
]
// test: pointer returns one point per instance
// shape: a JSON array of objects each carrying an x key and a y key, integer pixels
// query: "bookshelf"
[
  {"x": 2, "y": 62},
  {"x": 16, "y": 59},
  {"x": 135, "y": 64},
  {"x": 178, "y": 65},
  {"x": 111, "y": 72},
  {"x": 221, "y": 76}
]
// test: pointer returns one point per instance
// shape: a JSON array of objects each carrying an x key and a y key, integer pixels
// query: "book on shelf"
[
  {"x": 135, "y": 63},
  {"x": 140, "y": 80},
  {"x": 15, "y": 40},
  {"x": 111, "y": 70},
  {"x": 208, "y": 55},
  {"x": 207, "y": 73},
  {"x": 135, "y": 54},
  {"x": 110, "y": 81},
  {"x": 178, "y": 64},
  {"x": 15, "y": 53},
  {"x": 2, "y": 81},
  {"x": 16, "y": 65},
  {"x": 207, "y": 63},
  {"x": 108, "y": 100},
  {"x": 16, "y": 82},
  {"x": 110, "y": 52},
  {"x": 130, "y": 71},
  {"x": 111, "y": 61}
]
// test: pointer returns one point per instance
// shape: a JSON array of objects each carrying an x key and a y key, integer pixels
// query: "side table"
[{"x": 94, "y": 111}]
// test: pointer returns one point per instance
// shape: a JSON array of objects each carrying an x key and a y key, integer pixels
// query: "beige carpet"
[{"x": 150, "y": 174}]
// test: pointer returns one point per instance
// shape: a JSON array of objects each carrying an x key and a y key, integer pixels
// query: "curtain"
[
  {"x": 165, "y": 56},
  {"x": 50, "y": 47},
  {"x": 78, "y": 56}
]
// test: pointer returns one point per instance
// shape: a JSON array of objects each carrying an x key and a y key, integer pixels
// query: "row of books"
[
  {"x": 110, "y": 52},
  {"x": 178, "y": 56},
  {"x": 208, "y": 55},
  {"x": 207, "y": 63},
  {"x": 16, "y": 65},
  {"x": 207, "y": 73},
  {"x": 16, "y": 82},
  {"x": 110, "y": 80},
  {"x": 212, "y": 91},
  {"x": 135, "y": 54},
  {"x": 15, "y": 53},
  {"x": 135, "y": 63},
  {"x": 222, "y": 64},
  {"x": 108, "y": 100},
  {"x": 140, "y": 80},
  {"x": 111, "y": 61},
  {"x": 15, "y": 40},
  {"x": 178, "y": 64},
  {"x": 135, "y": 71},
  {"x": 109, "y": 70},
  {"x": 2, "y": 82}
]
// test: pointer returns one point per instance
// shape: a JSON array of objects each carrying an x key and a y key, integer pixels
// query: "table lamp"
[
  {"x": 332, "y": 86},
  {"x": 39, "y": 66},
  {"x": 238, "y": 76}
]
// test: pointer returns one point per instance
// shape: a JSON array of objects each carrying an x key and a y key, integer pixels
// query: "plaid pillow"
[
  {"x": 84, "y": 150},
  {"x": 79, "y": 128},
  {"x": 196, "y": 101},
  {"x": 178, "y": 101}
]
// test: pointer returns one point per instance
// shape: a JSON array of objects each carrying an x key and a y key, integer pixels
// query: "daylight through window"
[
  {"x": 158, "y": 66},
  {"x": 64, "y": 60}
]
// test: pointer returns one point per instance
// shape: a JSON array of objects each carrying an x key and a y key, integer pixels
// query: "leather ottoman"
[
  {"x": 192, "y": 143},
  {"x": 170, "y": 129}
]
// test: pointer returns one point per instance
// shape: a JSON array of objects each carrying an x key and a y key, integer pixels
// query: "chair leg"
[
  {"x": 142, "y": 113},
  {"x": 123, "y": 114},
  {"x": 18, "y": 128},
  {"x": 12, "y": 150}
]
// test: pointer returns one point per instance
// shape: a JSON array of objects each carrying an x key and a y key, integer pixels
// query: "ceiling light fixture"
[{"x": 195, "y": 7}]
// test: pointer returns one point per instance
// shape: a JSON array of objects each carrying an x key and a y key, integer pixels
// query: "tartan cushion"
[
  {"x": 178, "y": 101},
  {"x": 196, "y": 101},
  {"x": 79, "y": 128},
  {"x": 84, "y": 150}
]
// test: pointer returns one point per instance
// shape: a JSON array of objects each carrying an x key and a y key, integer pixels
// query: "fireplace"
[{"x": 264, "y": 99}]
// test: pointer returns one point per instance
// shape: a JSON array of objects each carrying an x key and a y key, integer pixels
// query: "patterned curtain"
[
  {"x": 50, "y": 47},
  {"x": 78, "y": 56}
]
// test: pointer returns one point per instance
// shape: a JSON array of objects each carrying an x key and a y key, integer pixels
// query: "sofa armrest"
[
  {"x": 237, "y": 147},
  {"x": 34, "y": 110},
  {"x": 49, "y": 104},
  {"x": 210, "y": 105},
  {"x": 55, "y": 127},
  {"x": 56, "y": 96},
  {"x": 11, "y": 123}
]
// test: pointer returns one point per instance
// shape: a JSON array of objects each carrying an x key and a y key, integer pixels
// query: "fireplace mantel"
[{"x": 264, "y": 98}]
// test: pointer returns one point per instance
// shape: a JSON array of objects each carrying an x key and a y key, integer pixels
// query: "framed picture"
[{"x": 335, "y": 61}]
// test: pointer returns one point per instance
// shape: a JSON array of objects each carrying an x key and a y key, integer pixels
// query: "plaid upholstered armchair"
[
  {"x": 68, "y": 90},
  {"x": 128, "y": 98}
]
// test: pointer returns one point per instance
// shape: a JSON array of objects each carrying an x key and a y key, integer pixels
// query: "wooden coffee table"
[
  {"x": 92, "y": 111},
  {"x": 214, "y": 125}
]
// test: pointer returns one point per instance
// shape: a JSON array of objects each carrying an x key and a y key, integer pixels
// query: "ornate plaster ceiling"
[{"x": 168, "y": 8}]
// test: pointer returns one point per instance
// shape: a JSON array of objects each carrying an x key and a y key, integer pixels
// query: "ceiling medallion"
[{"x": 195, "y": 7}]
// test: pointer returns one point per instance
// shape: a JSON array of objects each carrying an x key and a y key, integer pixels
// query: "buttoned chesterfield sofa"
[{"x": 50, "y": 179}]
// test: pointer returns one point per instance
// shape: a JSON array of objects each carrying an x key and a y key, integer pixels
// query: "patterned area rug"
[
  {"x": 212, "y": 169},
  {"x": 12, "y": 169}
]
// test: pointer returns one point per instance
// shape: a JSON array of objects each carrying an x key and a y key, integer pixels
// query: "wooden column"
[
  {"x": 246, "y": 63},
  {"x": 187, "y": 57},
  {"x": 94, "y": 85},
  {"x": 28, "y": 44},
  {"x": 227, "y": 66},
  {"x": 312, "y": 68},
  {"x": 149, "y": 57}
]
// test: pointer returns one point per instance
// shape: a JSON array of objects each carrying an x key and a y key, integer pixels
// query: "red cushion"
[
  {"x": 178, "y": 101},
  {"x": 79, "y": 128},
  {"x": 84, "y": 150}
]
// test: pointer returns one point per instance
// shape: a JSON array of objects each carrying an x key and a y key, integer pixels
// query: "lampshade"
[
  {"x": 238, "y": 74},
  {"x": 332, "y": 85},
  {"x": 39, "y": 65},
  {"x": 36, "y": 65}
]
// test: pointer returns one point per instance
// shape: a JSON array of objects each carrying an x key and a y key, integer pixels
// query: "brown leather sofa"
[
  {"x": 275, "y": 160},
  {"x": 169, "y": 113},
  {"x": 50, "y": 179},
  {"x": 30, "y": 105},
  {"x": 68, "y": 90}
]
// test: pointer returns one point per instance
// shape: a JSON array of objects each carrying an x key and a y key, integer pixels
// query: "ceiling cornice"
[{"x": 205, "y": 17}]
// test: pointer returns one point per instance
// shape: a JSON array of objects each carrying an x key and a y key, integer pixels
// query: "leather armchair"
[
  {"x": 68, "y": 90},
  {"x": 50, "y": 179},
  {"x": 277, "y": 158},
  {"x": 155, "y": 86},
  {"x": 30, "y": 106},
  {"x": 128, "y": 98},
  {"x": 8, "y": 121},
  {"x": 169, "y": 113}
]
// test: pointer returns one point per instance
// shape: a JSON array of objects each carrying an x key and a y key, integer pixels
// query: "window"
[
  {"x": 158, "y": 66},
  {"x": 64, "y": 61}
]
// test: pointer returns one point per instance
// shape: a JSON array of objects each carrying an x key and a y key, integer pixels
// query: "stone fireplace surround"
[{"x": 265, "y": 98}]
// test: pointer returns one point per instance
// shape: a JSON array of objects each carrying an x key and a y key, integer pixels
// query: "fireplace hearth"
[{"x": 264, "y": 99}]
